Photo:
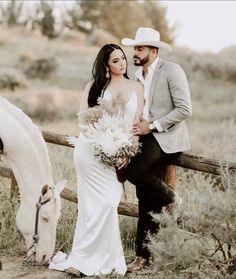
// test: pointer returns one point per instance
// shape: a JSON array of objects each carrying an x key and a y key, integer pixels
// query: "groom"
[{"x": 162, "y": 132}]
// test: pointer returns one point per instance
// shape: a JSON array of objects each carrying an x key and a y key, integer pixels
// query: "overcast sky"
[{"x": 203, "y": 25}]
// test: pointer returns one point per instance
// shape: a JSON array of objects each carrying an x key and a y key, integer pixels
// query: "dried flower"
[{"x": 108, "y": 127}]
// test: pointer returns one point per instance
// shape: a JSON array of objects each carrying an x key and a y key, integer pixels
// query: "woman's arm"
[{"x": 84, "y": 98}]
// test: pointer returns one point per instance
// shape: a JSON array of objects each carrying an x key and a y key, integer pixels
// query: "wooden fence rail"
[
  {"x": 128, "y": 209},
  {"x": 184, "y": 160}
]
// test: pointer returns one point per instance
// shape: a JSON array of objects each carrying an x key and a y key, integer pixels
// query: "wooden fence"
[{"x": 184, "y": 160}]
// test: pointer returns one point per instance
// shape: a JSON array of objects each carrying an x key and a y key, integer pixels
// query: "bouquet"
[{"x": 108, "y": 127}]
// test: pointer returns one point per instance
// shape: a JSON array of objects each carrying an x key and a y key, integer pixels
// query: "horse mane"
[{"x": 30, "y": 128}]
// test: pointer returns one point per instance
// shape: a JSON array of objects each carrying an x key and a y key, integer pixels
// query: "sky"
[{"x": 203, "y": 25}]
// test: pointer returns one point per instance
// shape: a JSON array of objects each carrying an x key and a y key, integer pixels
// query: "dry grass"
[{"x": 54, "y": 102}]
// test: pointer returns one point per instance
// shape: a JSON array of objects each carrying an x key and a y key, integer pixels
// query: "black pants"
[{"x": 152, "y": 192}]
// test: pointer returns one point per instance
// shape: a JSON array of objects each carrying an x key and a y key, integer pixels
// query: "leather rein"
[{"x": 36, "y": 234}]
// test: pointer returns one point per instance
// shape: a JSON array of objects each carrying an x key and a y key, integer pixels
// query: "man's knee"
[{"x": 135, "y": 173}]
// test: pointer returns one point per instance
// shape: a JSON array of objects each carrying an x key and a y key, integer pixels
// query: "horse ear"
[
  {"x": 60, "y": 185},
  {"x": 44, "y": 190}
]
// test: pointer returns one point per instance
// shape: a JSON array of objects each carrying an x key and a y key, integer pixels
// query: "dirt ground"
[{"x": 12, "y": 268}]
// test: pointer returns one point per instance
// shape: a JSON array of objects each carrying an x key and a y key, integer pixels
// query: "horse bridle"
[{"x": 36, "y": 234}]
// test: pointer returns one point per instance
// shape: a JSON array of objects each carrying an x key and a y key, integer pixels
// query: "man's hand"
[
  {"x": 141, "y": 128},
  {"x": 122, "y": 162}
]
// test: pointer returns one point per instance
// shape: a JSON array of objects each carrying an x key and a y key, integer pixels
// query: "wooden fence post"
[{"x": 170, "y": 176}]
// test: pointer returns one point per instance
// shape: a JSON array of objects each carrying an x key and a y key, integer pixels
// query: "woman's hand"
[
  {"x": 141, "y": 128},
  {"x": 122, "y": 162}
]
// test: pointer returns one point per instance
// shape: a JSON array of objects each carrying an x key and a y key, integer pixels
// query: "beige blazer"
[{"x": 170, "y": 104}]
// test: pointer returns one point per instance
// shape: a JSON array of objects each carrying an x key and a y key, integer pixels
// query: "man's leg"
[
  {"x": 141, "y": 171},
  {"x": 152, "y": 193},
  {"x": 146, "y": 224}
]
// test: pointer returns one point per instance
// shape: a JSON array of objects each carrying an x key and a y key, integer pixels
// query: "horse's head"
[
  {"x": 49, "y": 214},
  {"x": 29, "y": 160},
  {"x": 48, "y": 208}
]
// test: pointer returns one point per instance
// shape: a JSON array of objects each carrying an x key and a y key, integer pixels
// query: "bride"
[{"x": 97, "y": 247}]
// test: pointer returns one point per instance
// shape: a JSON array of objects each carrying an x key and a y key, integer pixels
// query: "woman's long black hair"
[{"x": 100, "y": 82}]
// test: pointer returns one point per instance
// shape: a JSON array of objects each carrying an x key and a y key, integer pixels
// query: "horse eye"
[{"x": 45, "y": 220}]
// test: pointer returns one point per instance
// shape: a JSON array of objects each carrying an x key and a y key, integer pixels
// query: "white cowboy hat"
[{"x": 146, "y": 36}]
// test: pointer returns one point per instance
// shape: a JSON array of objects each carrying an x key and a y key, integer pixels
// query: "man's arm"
[{"x": 180, "y": 94}]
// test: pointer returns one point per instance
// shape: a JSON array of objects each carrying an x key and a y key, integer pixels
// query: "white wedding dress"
[{"x": 97, "y": 247}]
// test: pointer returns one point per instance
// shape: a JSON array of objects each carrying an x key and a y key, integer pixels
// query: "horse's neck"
[
  {"x": 32, "y": 131},
  {"x": 29, "y": 174},
  {"x": 26, "y": 153}
]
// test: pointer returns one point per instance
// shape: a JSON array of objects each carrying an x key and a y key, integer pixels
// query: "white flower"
[{"x": 109, "y": 130}]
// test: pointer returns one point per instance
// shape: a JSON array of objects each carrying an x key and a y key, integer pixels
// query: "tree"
[
  {"x": 11, "y": 13},
  {"x": 123, "y": 18},
  {"x": 34, "y": 15},
  {"x": 157, "y": 14},
  {"x": 120, "y": 18},
  {"x": 47, "y": 22},
  {"x": 75, "y": 18}
]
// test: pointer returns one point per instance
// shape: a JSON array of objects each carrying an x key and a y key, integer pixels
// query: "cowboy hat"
[{"x": 146, "y": 36}]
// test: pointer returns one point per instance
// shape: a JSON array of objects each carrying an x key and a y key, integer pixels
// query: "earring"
[{"x": 107, "y": 75}]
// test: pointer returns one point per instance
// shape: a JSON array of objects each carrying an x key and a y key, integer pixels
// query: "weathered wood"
[
  {"x": 5, "y": 172},
  {"x": 127, "y": 209},
  {"x": 56, "y": 138},
  {"x": 184, "y": 160},
  {"x": 170, "y": 176},
  {"x": 203, "y": 164},
  {"x": 69, "y": 195}
]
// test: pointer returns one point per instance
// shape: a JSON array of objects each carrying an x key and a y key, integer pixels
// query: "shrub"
[
  {"x": 11, "y": 82},
  {"x": 199, "y": 238},
  {"x": 41, "y": 68}
]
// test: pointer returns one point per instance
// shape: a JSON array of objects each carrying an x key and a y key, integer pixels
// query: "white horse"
[{"x": 27, "y": 155}]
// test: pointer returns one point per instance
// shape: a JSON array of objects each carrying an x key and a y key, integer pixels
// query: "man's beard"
[{"x": 141, "y": 61}]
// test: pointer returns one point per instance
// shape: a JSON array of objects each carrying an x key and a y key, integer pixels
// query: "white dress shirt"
[{"x": 147, "y": 83}]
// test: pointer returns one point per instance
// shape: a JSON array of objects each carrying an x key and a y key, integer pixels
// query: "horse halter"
[{"x": 36, "y": 235}]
